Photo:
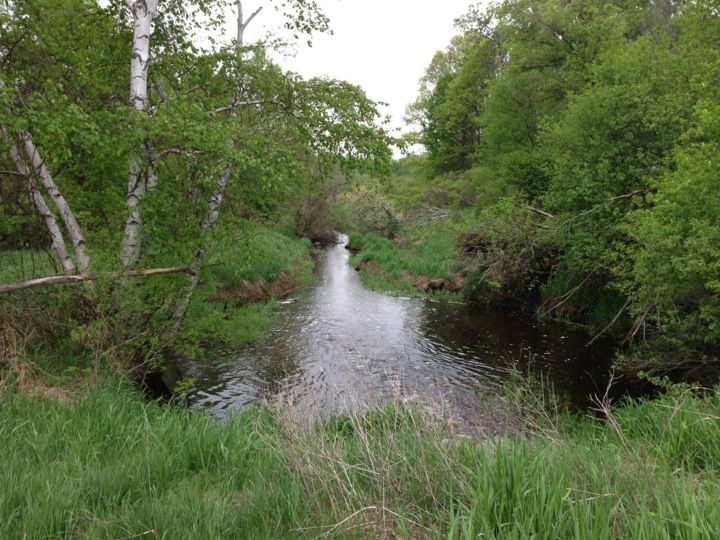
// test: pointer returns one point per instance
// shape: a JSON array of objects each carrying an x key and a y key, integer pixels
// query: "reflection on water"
[{"x": 341, "y": 345}]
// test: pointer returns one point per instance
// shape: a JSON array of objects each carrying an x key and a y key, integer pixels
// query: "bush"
[
  {"x": 508, "y": 258},
  {"x": 370, "y": 211}
]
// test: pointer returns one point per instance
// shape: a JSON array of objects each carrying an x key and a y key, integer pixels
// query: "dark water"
[{"x": 341, "y": 345}]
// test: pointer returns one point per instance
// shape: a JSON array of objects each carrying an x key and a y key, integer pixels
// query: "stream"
[{"x": 339, "y": 345}]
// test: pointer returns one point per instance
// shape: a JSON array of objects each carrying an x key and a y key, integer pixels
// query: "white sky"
[{"x": 382, "y": 45}]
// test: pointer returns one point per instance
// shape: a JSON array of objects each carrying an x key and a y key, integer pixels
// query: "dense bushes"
[
  {"x": 368, "y": 210},
  {"x": 586, "y": 160}
]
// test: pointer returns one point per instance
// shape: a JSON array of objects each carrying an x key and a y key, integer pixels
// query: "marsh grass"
[
  {"x": 420, "y": 251},
  {"x": 108, "y": 465}
]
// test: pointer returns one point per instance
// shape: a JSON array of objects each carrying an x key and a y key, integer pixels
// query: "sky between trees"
[{"x": 382, "y": 45}]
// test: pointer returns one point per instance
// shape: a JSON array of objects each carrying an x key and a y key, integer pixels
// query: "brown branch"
[
  {"x": 79, "y": 278},
  {"x": 609, "y": 326}
]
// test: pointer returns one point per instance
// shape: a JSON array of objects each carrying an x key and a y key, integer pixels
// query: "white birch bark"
[
  {"x": 63, "y": 208},
  {"x": 143, "y": 12},
  {"x": 181, "y": 305},
  {"x": 58, "y": 242},
  {"x": 56, "y": 236},
  {"x": 242, "y": 24}
]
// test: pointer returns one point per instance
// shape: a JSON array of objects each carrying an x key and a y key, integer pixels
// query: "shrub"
[{"x": 370, "y": 211}]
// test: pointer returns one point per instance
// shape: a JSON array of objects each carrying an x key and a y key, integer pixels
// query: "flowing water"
[{"x": 340, "y": 345}]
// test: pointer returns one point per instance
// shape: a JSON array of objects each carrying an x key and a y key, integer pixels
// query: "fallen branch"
[
  {"x": 541, "y": 212},
  {"x": 609, "y": 326},
  {"x": 79, "y": 278}
]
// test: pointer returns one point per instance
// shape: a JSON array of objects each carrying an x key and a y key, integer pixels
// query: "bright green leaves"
[
  {"x": 605, "y": 116},
  {"x": 303, "y": 17}
]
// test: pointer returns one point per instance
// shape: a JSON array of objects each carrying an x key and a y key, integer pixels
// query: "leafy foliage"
[
  {"x": 601, "y": 120},
  {"x": 224, "y": 110}
]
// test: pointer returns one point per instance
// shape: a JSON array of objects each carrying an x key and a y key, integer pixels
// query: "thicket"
[
  {"x": 579, "y": 141},
  {"x": 214, "y": 169}
]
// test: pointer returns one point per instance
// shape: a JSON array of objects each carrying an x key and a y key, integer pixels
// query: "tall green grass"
[
  {"x": 420, "y": 252},
  {"x": 19, "y": 265},
  {"x": 112, "y": 466},
  {"x": 259, "y": 253}
]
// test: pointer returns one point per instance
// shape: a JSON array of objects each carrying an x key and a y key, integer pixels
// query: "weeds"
[{"x": 108, "y": 465}]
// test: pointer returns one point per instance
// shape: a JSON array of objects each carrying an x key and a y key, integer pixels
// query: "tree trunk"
[
  {"x": 58, "y": 242},
  {"x": 143, "y": 12},
  {"x": 182, "y": 304},
  {"x": 66, "y": 213}
]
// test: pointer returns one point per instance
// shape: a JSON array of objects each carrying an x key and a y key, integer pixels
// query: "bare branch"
[
  {"x": 251, "y": 17},
  {"x": 235, "y": 104},
  {"x": 79, "y": 278},
  {"x": 541, "y": 212},
  {"x": 601, "y": 205},
  {"x": 610, "y": 325}
]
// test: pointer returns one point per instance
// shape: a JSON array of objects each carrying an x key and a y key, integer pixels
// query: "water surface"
[{"x": 340, "y": 345}]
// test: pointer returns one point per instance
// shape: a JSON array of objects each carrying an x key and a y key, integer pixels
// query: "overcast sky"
[{"x": 382, "y": 45}]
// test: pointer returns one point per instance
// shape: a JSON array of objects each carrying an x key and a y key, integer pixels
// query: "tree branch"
[
  {"x": 79, "y": 278},
  {"x": 601, "y": 205},
  {"x": 235, "y": 104},
  {"x": 541, "y": 212},
  {"x": 251, "y": 17}
]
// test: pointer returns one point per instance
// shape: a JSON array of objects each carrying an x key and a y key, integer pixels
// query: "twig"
[
  {"x": 610, "y": 325},
  {"x": 602, "y": 204}
]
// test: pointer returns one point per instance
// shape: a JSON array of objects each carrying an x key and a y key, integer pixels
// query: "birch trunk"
[
  {"x": 143, "y": 12},
  {"x": 66, "y": 213},
  {"x": 58, "y": 242},
  {"x": 182, "y": 304}
]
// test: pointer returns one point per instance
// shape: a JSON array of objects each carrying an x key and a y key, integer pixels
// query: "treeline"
[
  {"x": 581, "y": 137},
  {"x": 134, "y": 138}
]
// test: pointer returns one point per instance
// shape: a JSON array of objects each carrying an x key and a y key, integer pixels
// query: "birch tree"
[
  {"x": 182, "y": 303},
  {"x": 56, "y": 236},
  {"x": 143, "y": 12},
  {"x": 41, "y": 172}
]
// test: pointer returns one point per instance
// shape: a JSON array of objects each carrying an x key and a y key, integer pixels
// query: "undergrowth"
[
  {"x": 418, "y": 251},
  {"x": 264, "y": 254}
]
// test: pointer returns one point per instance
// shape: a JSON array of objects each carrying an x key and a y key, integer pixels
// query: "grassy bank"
[
  {"x": 109, "y": 465},
  {"x": 248, "y": 267},
  {"x": 417, "y": 252},
  {"x": 235, "y": 301}
]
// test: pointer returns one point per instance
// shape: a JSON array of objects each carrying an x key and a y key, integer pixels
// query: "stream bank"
[{"x": 340, "y": 346}]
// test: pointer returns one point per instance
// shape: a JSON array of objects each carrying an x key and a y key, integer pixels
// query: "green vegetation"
[
  {"x": 578, "y": 141},
  {"x": 206, "y": 187},
  {"x": 571, "y": 167},
  {"x": 416, "y": 253},
  {"x": 109, "y": 465},
  {"x": 220, "y": 313}
]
